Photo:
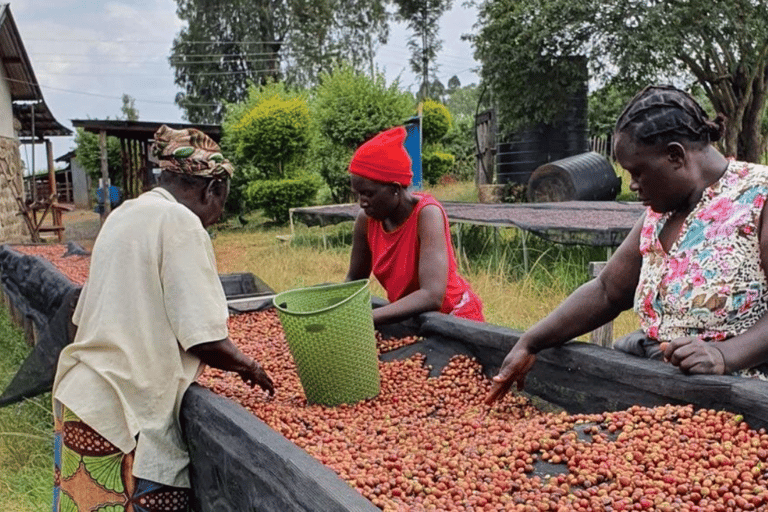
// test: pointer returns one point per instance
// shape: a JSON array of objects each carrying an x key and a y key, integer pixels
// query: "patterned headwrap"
[
  {"x": 190, "y": 151},
  {"x": 666, "y": 110},
  {"x": 384, "y": 158}
]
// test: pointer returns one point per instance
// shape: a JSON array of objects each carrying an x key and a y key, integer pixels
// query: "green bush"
[
  {"x": 514, "y": 193},
  {"x": 237, "y": 201},
  {"x": 350, "y": 107},
  {"x": 435, "y": 165},
  {"x": 276, "y": 197},
  {"x": 271, "y": 134},
  {"x": 460, "y": 142},
  {"x": 435, "y": 121},
  {"x": 266, "y": 137},
  {"x": 330, "y": 161}
]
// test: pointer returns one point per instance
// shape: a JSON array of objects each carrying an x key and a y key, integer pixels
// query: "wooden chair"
[{"x": 34, "y": 215}]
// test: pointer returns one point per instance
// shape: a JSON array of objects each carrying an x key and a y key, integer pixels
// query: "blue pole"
[{"x": 413, "y": 147}]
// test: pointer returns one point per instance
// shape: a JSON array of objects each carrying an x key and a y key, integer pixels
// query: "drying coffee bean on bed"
[
  {"x": 429, "y": 444},
  {"x": 389, "y": 343},
  {"x": 74, "y": 267}
]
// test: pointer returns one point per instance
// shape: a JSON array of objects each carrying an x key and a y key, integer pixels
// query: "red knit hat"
[{"x": 384, "y": 158}]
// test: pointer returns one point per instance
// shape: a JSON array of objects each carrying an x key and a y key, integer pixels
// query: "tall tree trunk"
[{"x": 751, "y": 139}]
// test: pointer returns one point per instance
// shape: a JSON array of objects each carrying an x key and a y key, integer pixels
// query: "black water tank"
[
  {"x": 585, "y": 177},
  {"x": 521, "y": 155},
  {"x": 528, "y": 149}
]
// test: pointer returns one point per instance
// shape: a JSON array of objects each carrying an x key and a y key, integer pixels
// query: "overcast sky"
[{"x": 86, "y": 55}]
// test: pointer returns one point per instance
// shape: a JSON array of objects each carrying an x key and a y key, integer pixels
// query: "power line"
[
  {"x": 102, "y": 63},
  {"x": 177, "y": 56},
  {"x": 284, "y": 51},
  {"x": 149, "y": 75},
  {"x": 83, "y": 93},
  {"x": 145, "y": 41},
  {"x": 285, "y": 46}
]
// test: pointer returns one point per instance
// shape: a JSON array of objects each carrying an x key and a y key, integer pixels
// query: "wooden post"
[
  {"x": 485, "y": 131},
  {"x": 104, "y": 174},
  {"x": 603, "y": 335},
  {"x": 125, "y": 158},
  {"x": 524, "y": 238},
  {"x": 34, "y": 176},
  {"x": 51, "y": 171},
  {"x": 69, "y": 195}
]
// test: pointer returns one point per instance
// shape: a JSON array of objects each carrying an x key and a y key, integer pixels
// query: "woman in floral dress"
[{"x": 694, "y": 265}]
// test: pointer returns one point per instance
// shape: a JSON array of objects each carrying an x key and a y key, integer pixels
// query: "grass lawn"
[{"x": 26, "y": 434}]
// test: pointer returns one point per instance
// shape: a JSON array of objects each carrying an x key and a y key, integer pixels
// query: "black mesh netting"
[{"x": 41, "y": 294}]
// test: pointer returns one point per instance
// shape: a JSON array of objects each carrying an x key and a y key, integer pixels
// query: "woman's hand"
[
  {"x": 513, "y": 370},
  {"x": 692, "y": 355},
  {"x": 254, "y": 374},
  {"x": 224, "y": 355}
]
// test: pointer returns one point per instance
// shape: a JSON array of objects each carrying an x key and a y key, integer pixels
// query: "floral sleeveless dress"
[{"x": 711, "y": 284}]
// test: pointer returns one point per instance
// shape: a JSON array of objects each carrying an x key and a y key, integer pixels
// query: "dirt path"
[{"x": 81, "y": 226}]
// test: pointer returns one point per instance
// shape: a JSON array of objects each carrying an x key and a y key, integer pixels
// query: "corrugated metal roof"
[
  {"x": 45, "y": 124},
  {"x": 140, "y": 130},
  {"x": 16, "y": 64},
  {"x": 22, "y": 83}
]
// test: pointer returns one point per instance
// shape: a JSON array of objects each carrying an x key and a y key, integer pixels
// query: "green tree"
[
  {"x": 130, "y": 113},
  {"x": 228, "y": 44},
  {"x": 333, "y": 31},
  {"x": 462, "y": 101},
  {"x": 721, "y": 44},
  {"x": 224, "y": 46},
  {"x": 422, "y": 18},
  {"x": 350, "y": 107},
  {"x": 605, "y": 106},
  {"x": 88, "y": 154}
]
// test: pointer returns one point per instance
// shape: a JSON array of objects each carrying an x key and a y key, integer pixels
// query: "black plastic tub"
[{"x": 585, "y": 177}]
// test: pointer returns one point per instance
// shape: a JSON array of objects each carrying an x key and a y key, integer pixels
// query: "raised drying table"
[{"x": 594, "y": 223}]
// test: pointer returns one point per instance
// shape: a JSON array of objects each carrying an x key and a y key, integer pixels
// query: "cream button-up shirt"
[{"x": 153, "y": 292}]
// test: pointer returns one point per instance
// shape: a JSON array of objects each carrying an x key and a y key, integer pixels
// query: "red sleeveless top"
[{"x": 395, "y": 263}]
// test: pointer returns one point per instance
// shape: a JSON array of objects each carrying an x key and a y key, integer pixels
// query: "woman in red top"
[{"x": 403, "y": 237}]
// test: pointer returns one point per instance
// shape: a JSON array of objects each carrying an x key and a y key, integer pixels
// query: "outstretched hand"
[
  {"x": 255, "y": 375},
  {"x": 513, "y": 370}
]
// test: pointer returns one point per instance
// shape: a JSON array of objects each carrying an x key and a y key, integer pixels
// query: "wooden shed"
[{"x": 135, "y": 139}]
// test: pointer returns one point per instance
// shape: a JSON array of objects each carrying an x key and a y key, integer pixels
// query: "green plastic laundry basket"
[{"x": 329, "y": 329}]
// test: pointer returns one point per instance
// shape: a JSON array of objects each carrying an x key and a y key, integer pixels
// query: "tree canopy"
[
  {"x": 130, "y": 113},
  {"x": 88, "y": 153},
  {"x": 423, "y": 18},
  {"x": 230, "y": 44},
  {"x": 722, "y": 45}
]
